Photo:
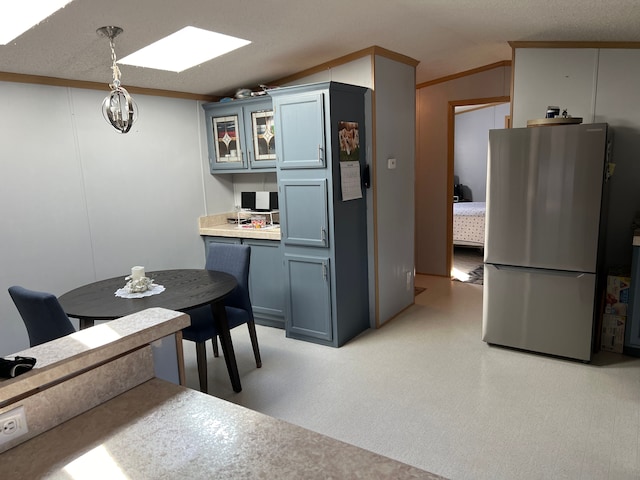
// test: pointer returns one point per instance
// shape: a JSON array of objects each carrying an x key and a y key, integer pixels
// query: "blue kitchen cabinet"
[
  {"x": 208, "y": 240},
  {"x": 241, "y": 135},
  {"x": 266, "y": 278},
  {"x": 304, "y": 220},
  {"x": 266, "y": 282},
  {"x": 308, "y": 282},
  {"x": 324, "y": 237},
  {"x": 301, "y": 115}
]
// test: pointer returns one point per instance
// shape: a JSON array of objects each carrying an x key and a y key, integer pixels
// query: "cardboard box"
[
  {"x": 612, "y": 339},
  {"x": 617, "y": 298}
]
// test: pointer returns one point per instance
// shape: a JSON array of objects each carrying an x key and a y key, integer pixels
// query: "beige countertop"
[
  {"x": 217, "y": 226},
  {"x": 162, "y": 430}
]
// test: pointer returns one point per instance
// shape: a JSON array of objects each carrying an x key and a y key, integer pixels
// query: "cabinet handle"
[
  {"x": 319, "y": 153},
  {"x": 323, "y": 234},
  {"x": 324, "y": 272}
]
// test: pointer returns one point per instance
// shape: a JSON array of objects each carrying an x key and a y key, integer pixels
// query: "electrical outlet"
[{"x": 13, "y": 424}]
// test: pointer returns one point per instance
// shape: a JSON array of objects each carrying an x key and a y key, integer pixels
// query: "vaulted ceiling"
[{"x": 445, "y": 36}]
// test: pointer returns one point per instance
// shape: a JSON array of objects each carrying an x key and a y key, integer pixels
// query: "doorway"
[{"x": 469, "y": 123}]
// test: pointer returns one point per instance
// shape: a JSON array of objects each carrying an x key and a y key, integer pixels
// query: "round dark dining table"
[{"x": 184, "y": 289}]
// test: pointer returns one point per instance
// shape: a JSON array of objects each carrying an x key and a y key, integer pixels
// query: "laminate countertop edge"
[{"x": 62, "y": 357}]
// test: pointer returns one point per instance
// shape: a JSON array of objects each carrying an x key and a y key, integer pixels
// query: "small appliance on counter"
[
  {"x": 259, "y": 201},
  {"x": 257, "y": 210}
]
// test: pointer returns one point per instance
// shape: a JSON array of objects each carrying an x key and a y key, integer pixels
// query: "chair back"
[
  {"x": 234, "y": 259},
  {"x": 42, "y": 315}
]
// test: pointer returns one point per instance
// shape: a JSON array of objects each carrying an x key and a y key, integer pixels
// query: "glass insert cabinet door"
[
  {"x": 264, "y": 144},
  {"x": 227, "y": 140}
]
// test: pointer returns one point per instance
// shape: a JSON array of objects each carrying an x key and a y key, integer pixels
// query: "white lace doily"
[{"x": 153, "y": 290}]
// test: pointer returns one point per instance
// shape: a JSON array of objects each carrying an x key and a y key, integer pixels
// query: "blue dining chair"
[
  {"x": 42, "y": 315},
  {"x": 233, "y": 259}
]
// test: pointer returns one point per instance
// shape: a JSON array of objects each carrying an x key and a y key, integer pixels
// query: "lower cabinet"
[
  {"x": 266, "y": 279},
  {"x": 307, "y": 278}
]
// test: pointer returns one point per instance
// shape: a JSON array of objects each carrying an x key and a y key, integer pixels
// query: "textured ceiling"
[{"x": 445, "y": 36}]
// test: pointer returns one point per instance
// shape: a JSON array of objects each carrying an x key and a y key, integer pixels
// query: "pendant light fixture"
[{"x": 118, "y": 108}]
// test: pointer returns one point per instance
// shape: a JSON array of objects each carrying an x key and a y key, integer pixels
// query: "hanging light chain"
[{"x": 114, "y": 68}]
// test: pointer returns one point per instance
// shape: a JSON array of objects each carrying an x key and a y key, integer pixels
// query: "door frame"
[{"x": 451, "y": 115}]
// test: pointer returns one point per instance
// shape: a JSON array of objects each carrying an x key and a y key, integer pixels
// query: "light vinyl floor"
[{"x": 425, "y": 390}]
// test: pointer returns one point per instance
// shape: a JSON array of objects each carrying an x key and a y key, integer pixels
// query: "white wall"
[
  {"x": 563, "y": 77},
  {"x": 357, "y": 72},
  {"x": 80, "y": 202},
  {"x": 470, "y": 148},
  {"x": 395, "y": 107}
]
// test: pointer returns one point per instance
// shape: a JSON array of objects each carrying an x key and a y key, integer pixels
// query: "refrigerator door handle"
[{"x": 562, "y": 273}]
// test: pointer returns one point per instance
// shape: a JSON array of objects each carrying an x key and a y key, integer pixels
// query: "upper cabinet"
[
  {"x": 241, "y": 135},
  {"x": 301, "y": 120}
]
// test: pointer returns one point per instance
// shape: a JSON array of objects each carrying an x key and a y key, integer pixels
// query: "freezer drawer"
[{"x": 543, "y": 311}]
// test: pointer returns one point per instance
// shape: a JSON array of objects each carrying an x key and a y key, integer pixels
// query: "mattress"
[{"x": 468, "y": 223}]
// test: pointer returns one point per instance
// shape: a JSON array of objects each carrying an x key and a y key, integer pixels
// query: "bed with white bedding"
[{"x": 468, "y": 223}]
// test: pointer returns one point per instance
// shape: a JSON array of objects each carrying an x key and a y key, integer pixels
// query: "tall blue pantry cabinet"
[{"x": 324, "y": 237}]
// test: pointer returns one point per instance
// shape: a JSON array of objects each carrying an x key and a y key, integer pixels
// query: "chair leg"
[
  {"x": 201, "y": 358},
  {"x": 214, "y": 340},
  {"x": 222, "y": 325},
  {"x": 254, "y": 342}
]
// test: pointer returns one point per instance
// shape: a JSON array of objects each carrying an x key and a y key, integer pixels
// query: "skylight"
[
  {"x": 184, "y": 49},
  {"x": 18, "y": 17}
]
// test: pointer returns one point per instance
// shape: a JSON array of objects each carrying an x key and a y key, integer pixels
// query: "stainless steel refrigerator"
[{"x": 546, "y": 187}]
